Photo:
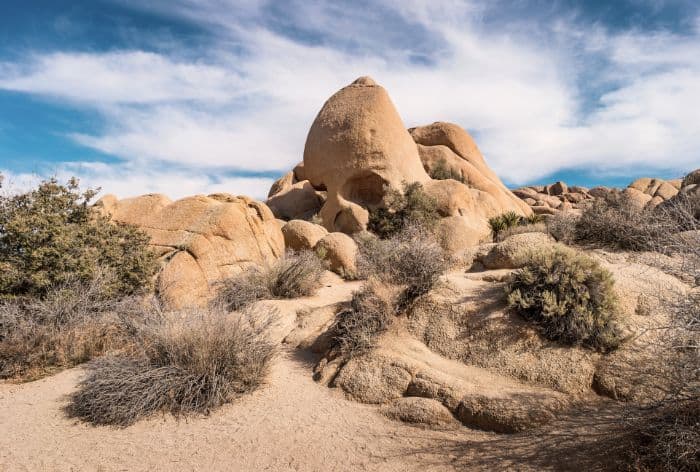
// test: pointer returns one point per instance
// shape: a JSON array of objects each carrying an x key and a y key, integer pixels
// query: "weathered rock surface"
[
  {"x": 201, "y": 239},
  {"x": 300, "y": 235},
  {"x": 339, "y": 251}
]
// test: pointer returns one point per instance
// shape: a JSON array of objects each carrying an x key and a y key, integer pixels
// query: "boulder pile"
[
  {"x": 358, "y": 149},
  {"x": 551, "y": 199}
]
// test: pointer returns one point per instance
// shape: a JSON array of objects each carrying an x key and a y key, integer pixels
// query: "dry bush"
[
  {"x": 526, "y": 228},
  {"x": 617, "y": 222},
  {"x": 189, "y": 362},
  {"x": 412, "y": 258},
  {"x": 667, "y": 438},
  {"x": 562, "y": 226},
  {"x": 52, "y": 235},
  {"x": 413, "y": 207},
  {"x": 569, "y": 296},
  {"x": 294, "y": 275},
  {"x": 73, "y": 323},
  {"x": 370, "y": 313},
  {"x": 504, "y": 221}
]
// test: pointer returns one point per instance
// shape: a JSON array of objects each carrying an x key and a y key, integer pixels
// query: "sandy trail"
[{"x": 290, "y": 424}]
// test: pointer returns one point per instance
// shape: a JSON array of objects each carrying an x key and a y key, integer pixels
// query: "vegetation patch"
[
  {"x": 190, "y": 362},
  {"x": 413, "y": 207},
  {"x": 569, "y": 297},
  {"x": 52, "y": 235},
  {"x": 510, "y": 223},
  {"x": 294, "y": 275}
]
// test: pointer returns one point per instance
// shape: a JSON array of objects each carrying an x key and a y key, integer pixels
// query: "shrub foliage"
[
  {"x": 413, "y": 207},
  {"x": 513, "y": 223},
  {"x": 52, "y": 235},
  {"x": 569, "y": 296}
]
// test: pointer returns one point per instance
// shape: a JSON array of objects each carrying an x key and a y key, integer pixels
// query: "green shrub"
[
  {"x": 294, "y": 275},
  {"x": 52, "y": 235},
  {"x": 569, "y": 297},
  {"x": 186, "y": 363},
  {"x": 442, "y": 171},
  {"x": 413, "y": 207}
]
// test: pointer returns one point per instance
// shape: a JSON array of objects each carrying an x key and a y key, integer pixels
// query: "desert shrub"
[
  {"x": 52, "y": 235},
  {"x": 371, "y": 311},
  {"x": 617, "y": 222},
  {"x": 562, "y": 226},
  {"x": 413, "y": 207},
  {"x": 532, "y": 219},
  {"x": 525, "y": 228},
  {"x": 187, "y": 363},
  {"x": 442, "y": 171},
  {"x": 412, "y": 258},
  {"x": 71, "y": 324},
  {"x": 569, "y": 297},
  {"x": 667, "y": 438},
  {"x": 294, "y": 275}
]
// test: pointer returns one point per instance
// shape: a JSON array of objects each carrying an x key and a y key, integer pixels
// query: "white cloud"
[{"x": 527, "y": 98}]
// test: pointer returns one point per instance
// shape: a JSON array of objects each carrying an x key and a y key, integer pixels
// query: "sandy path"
[{"x": 290, "y": 424}]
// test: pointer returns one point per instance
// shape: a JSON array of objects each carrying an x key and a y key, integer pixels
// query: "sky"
[{"x": 201, "y": 96}]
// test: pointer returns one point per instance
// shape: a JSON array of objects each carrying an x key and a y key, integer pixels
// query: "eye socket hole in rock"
[{"x": 366, "y": 189}]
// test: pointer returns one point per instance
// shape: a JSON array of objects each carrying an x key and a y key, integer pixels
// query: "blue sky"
[{"x": 185, "y": 96}]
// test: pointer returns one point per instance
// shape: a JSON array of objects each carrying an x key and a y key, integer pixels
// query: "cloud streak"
[{"x": 572, "y": 96}]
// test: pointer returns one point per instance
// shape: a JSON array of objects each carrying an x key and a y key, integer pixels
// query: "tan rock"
[
  {"x": 373, "y": 379},
  {"x": 358, "y": 146},
  {"x": 473, "y": 169},
  {"x": 302, "y": 235},
  {"x": 599, "y": 192},
  {"x": 201, "y": 240},
  {"x": 513, "y": 252},
  {"x": 557, "y": 188},
  {"x": 297, "y": 201},
  {"x": 340, "y": 253},
  {"x": 282, "y": 184},
  {"x": 666, "y": 191},
  {"x": 420, "y": 411},
  {"x": 457, "y": 233},
  {"x": 637, "y": 197}
]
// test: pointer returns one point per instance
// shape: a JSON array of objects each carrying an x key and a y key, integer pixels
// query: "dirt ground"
[{"x": 291, "y": 424}]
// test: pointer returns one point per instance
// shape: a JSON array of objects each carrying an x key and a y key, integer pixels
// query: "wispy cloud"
[{"x": 570, "y": 96}]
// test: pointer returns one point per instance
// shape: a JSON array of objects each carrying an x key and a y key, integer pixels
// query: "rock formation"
[
  {"x": 200, "y": 240},
  {"x": 358, "y": 148}
]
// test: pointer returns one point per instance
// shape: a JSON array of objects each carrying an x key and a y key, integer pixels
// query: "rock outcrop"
[
  {"x": 358, "y": 149},
  {"x": 200, "y": 240}
]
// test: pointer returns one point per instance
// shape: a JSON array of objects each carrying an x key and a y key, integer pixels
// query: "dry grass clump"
[
  {"x": 412, "y": 258},
  {"x": 73, "y": 323},
  {"x": 667, "y": 438},
  {"x": 569, "y": 296},
  {"x": 294, "y": 275},
  {"x": 183, "y": 363},
  {"x": 413, "y": 207},
  {"x": 370, "y": 313},
  {"x": 562, "y": 226},
  {"x": 617, "y": 222}
]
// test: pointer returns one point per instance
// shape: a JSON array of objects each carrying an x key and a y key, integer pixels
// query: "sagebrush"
[
  {"x": 294, "y": 275},
  {"x": 190, "y": 362},
  {"x": 569, "y": 296},
  {"x": 412, "y": 207}
]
